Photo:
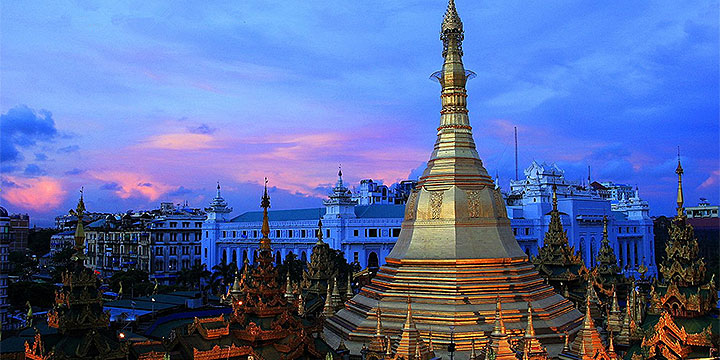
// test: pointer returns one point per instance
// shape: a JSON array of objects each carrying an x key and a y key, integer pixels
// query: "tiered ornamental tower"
[{"x": 456, "y": 253}]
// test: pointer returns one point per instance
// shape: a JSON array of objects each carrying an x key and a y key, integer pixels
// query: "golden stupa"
[{"x": 456, "y": 254}]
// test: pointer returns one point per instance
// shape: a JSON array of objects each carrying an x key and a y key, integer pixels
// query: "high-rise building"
[
  {"x": 456, "y": 257},
  {"x": 6, "y": 237},
  {"x": 20, "y": 228}
]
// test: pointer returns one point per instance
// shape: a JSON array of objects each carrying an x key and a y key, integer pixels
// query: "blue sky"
[{"x": 142, "y": 102}]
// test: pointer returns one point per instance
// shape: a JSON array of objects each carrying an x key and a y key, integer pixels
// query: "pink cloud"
[
  {"x": 711, "y": 180},
  {"x": 42, "y": 194},
  {"x": 128, "y": 184},
  {"x": 180, "y": 141}
]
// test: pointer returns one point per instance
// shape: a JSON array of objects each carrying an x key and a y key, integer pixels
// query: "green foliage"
[
  {"x": 192, "y": 278},
  {"x": 61, "y": 262},
  {"x": 222, "y": 276},
  {"x": 294, "y": 265},
  {"x": 41, "y": 295},
  {"x": 135, "y": 282}
]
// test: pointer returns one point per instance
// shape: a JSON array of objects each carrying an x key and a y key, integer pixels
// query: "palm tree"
[{"x": 223, "y": 274}]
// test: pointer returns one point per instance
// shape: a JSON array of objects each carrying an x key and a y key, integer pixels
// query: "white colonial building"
[
  {"x": 365, "y": 233},
  {"x": 582, "y": 210}
]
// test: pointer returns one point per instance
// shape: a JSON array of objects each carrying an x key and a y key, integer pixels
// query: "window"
[
  {"x": 356, "y": 256},
  {"x": 527, "y": 231},
  {"x": 303, "y": 233},
  {"x": 224, "y": 233},
  {"x": 173, "y": 224},
  {"x": 255, "y": 233},
  {"x": 634, "y": 229},
  {"x": 234, "y": 234},
  {"x": 197, "y": 250},
  {"x": 198, "y": 224},
  {"x": 396, "y": 232},
  {"x": 277, "y": 234},
  {"x": 205, "y": 252},
  {"x": 327, "y": 233},
  {"x": 372, "y": 233},
  {"x": 619, "y": 230},
  {"x": 186, "y": 237},
  {"x": 158, "y": 251},
  {"x": 290, "y": 233},
  {"x": 185, "y": 224},
  {"x": 515, "y": 231},
  {"x": 185, "y": 250},
  {"x": 356, "y": 233},
  {"x": 207, "y": 234}
]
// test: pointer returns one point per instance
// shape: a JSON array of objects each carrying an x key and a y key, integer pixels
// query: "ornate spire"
[
  {"x": 680, "y": 200},
  {"x": 265, "y": 230},
  {"x": 409, "y": 324},
  {"x": 79, "y": 212},
  {"x": 606, "y": 260},
  {"x": 530, "y": 330},
  {"x": 452, "y": 27},
  {"x": 319, "y": 232},
  {"x": 499, "y": 328},
  {"x": 378, "y": 326}
]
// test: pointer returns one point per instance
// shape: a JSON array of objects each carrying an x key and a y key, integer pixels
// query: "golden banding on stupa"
[{"x": 456, "y": 253}]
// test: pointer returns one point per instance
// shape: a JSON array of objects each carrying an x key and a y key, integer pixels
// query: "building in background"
[
  {"x": 702, "y": 210},
  {"x": 161, "y": 242},
  {"x": 365, "y": 233},
  {"x": 20, "y": 228},
  {"x": 582, "y": 209},
  {"x": 6, "y": 237},
  {"x": 370, "y": 192}
]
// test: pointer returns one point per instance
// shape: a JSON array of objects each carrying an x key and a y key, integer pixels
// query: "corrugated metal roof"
[{"x": 365, "y": 211}]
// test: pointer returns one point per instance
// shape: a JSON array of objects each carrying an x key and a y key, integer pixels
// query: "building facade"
[
  {"x": 161, "y": 242},
  {"x": 582, "y": 210},
  {"x": 365, "y": 233},
  {"x": 20, "y": 228},
  {"x": 703, "y": 210}
]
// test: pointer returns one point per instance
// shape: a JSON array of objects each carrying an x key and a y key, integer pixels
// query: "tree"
[
  {"x": 223, "y": 274},
  {"x": 39, "y": 240},
  {"x": 41, "y": 295},
  {"x": 294, "y": 265},
  {"x": 62, "y": 261},
  {"x": 135, "y": 282},
  {"x": 193, "y": 277}
]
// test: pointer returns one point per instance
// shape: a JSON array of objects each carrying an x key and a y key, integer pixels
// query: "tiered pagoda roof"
[
  {"x": 82, "y": 325},
  {"x": 682, "y": 321},
  {"x": 456, "y": 252},
  {"x": 263, "y": 324}
]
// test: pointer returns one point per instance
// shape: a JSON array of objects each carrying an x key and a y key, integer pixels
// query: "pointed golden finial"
[
  {"x": 319, "y": 232},
  {"x": 451, "y": 21},
  {"x": 265, "y": 230},
  {"x": 680, "y": 200},
  {"x": 473, "y": 352},
  {"x": 530, "y": 331},
  {"x": 499, "y": 328},
  {"x": 79, "y": 212},
  {"x": 605, "y": 240},
  {"x": 408, "y": 319},
  {"x": 554, "y": 198},
  {"x": 588, "y": 322},
  {"x": 378, "y": 327}
]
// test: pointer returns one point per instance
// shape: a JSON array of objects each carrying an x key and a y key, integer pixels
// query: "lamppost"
[{"x": 451, "y": 346}]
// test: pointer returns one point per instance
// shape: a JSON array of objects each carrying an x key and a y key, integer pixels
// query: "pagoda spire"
[
  {"x": 680, "y": 200},
  {"x": 79, "y": 212},
  {"x": 532, "y": 348},
  {"x": 265, "y": 230},
  {"x": 498, "y": 344},
  {"x": 320, "y": 232},
  {"x": 499, "y": 328}
]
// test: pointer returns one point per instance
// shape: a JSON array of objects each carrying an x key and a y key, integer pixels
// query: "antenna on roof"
[
  {"x": 588, "y": 175},
  {"x": 516, "y": 155}
]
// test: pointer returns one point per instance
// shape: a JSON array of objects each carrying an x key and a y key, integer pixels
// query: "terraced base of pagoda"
[{"x": 460, "y": 293}]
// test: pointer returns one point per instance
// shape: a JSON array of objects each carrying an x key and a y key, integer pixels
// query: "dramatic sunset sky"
[{"x": 141, "y": 102}]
